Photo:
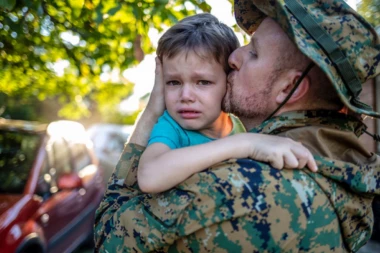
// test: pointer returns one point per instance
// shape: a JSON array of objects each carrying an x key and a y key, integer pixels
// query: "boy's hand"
[
  {"x": 156, "y": 104},
  {"x": 282, "y": 152}
]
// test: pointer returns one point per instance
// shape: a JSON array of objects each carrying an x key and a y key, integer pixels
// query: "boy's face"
[{"x": 194, "y": 89}]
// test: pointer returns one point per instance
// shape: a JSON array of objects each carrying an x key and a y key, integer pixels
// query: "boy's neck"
[{"x": 222, "y": 127}]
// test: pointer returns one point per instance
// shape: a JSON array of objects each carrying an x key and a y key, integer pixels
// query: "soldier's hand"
[{"x": 156, "y": 104}]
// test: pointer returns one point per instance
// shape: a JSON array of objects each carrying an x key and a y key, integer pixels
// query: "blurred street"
[{"x": 371, "y": 247}]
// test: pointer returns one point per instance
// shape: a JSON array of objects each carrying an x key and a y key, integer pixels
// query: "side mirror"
[
  {"x": 43, "y": 186},
  {"x": 69, "y": 181}
]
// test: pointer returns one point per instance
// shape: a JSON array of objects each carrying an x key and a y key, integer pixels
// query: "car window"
[
  {"x": 44, "y": 181},
  {"x": 80, "y": 156},
  {"x": 61, "y": 157},
  {"x": 17, "y": 154}
]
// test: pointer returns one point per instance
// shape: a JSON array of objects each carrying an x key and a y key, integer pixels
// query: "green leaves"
[
  {"x": 370, "y": 9},
  {"x": 89, "y": 37},
  {"x": 7, "y": 4},
  {"x": 76, "y": 4}
]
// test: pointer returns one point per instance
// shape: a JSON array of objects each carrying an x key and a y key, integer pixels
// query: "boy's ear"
[{"x": 288, "y": 82}]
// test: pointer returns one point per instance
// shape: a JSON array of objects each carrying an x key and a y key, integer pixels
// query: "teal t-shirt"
[{"x": 170, "y": 133}]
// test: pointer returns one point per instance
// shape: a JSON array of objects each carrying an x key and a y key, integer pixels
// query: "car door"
[
  {"x": 60, "y": 210},
  {"x": 93, "y": 186}
]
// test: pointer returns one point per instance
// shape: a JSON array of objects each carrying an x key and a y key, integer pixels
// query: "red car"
[{"x": 50, "y": 186}]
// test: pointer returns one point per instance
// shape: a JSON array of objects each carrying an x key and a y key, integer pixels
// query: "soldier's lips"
[{"x": 189, "y": 114}]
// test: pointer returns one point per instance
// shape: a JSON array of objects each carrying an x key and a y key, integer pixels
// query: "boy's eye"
[
  {"x": 172, "y": 83},
  {"x": 204, "y": 82}
]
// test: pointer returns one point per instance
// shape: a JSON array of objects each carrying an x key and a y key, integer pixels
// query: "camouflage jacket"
[{"x": 241, "y": 205}]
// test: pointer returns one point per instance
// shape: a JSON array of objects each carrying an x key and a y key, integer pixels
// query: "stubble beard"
[{"x": 249, "y": 107}]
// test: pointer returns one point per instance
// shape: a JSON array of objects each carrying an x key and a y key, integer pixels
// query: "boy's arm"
[{"x": 161, "y": 168}]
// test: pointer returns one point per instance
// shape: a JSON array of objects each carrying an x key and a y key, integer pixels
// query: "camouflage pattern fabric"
[
  {"x": 351, "y": 38},
  {"x": 243, "y": 205}
]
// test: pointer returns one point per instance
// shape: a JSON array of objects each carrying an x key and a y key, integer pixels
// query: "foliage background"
[
  {"x": 90, "y": 37},
  {"x": 370, "y": 9}
]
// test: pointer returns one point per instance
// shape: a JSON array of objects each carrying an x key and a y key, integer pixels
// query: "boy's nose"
[{"x": 187, "y": 94}]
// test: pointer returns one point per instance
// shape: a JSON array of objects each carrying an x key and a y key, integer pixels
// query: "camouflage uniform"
[{"x": 247, "y": 206}]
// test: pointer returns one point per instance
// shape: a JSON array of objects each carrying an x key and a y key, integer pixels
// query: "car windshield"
[{"x": 17, "y": 154}]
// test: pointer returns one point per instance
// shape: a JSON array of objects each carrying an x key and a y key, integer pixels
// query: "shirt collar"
[{"x": 295, "y": 119}]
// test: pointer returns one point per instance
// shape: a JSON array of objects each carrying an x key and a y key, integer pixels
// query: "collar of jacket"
[{"x": 295, "y": 119}]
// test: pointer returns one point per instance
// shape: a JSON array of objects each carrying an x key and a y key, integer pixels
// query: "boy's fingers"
[
  {"x": 306, "y": 159},
  {"x": 301, "y": 154},
  {"x": 311, "y": 164},
  {"x": 277, "y": 162},
  {"x": 302, "y": 160},
  {"x": 290, "y": 160}
]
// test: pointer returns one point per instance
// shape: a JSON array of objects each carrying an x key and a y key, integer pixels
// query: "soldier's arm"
[
  {"x": 250, "y": 207},
  {"x": 123, "y": 178},
  {"x": 256, "y": 208},
  {"x": 239, "y": 205},
  {"x": 122, "y": 186},
  {"x": 234, "y": 206}
]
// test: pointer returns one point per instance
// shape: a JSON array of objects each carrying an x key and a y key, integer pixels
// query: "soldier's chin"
[{"x": 235, "y": 109}]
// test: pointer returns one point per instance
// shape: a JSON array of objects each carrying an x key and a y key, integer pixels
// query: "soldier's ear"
[{"x": 287, "y": 83}]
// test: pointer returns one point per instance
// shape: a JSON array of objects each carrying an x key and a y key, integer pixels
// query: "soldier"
[{"x": 305, "y": 62}]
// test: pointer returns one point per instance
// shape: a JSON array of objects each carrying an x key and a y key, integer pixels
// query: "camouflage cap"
[{"x": 331, "y": 33}]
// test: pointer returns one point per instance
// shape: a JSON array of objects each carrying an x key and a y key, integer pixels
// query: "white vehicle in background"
[{"x": 109, "y": 140}]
